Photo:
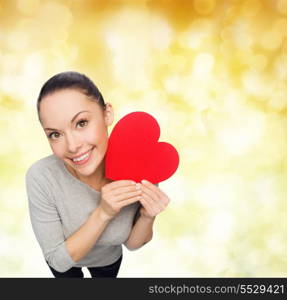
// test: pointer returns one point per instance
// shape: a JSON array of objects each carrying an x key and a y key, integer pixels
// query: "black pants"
[{"x": 106, "y": 271}]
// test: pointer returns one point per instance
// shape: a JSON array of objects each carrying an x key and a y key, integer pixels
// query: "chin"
[{"x": 88, "y": 169}]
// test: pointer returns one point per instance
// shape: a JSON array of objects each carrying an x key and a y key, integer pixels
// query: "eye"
[
  {"x": 83, "y": 122},
  {"x": 50, "y": 136}
]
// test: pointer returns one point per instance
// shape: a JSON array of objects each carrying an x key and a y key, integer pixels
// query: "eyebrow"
[{"x": 75, "y": 116}]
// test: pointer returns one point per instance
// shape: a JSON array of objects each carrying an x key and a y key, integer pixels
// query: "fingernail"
[{"x": 144, "y": 181}]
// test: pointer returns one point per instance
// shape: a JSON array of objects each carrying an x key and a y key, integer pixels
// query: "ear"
[{"x": 109, "y": 114}]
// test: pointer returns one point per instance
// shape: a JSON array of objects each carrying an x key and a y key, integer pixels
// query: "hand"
[
  {"x": 116, "y": 195},
  {"x": 153, "y": 200}
]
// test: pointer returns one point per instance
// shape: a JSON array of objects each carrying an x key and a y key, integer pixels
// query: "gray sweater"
[{"x": 59, "y": 204}]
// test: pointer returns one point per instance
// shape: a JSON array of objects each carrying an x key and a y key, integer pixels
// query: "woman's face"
[{"x": 76, "y": 128}]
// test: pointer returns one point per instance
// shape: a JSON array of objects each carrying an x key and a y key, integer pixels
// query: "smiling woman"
[
  {"x": 81, "y": 218},
  {"x": 82, "y": 130}
]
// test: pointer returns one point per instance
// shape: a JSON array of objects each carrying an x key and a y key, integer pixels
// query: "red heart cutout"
[{"x": 135, "y": 153}]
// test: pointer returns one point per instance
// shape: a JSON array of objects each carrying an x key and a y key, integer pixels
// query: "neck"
[{"x": 95, "y": 180}]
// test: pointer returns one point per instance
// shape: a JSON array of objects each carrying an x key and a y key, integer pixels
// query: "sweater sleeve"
[{"x": 46, "y": 222}]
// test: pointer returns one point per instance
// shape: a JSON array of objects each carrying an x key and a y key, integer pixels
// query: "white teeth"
[{"x": 81, "y": 157}]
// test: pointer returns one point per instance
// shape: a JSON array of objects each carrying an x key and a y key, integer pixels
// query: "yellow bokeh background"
[{"x": 214, "y": 75}]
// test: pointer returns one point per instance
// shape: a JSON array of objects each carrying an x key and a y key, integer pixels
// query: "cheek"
[
  {"x": 98, "y": 138},
  {"x": 57, "y": 149}
]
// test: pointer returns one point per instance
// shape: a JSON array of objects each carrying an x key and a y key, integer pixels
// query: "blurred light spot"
[
  {"x": 187, "y": 245},
  {"x": 174, "y": 188},
  {"x": 192, "y": 40},
  {"x": 241, "y": 34},
  {"x": 225, "y": 48},
  {"x": 265, "y": 189},
  {"x": 216, "y": 191},
  {"x": 33, "y": 66},
  {"x": 130, "y": 55},
  {"x": 203, "y": 64},
  {"x": 9, "y": 64},
  {"x": 256, "y": 83},
  {"x": 18, "y": 41},
  {"x": 235, "y": 142},
  {"x": 275, "y": 244},
  {"x": 161, "y": 34},
  {"x": 275, "y": 143},
  {"x": 113, "y": 40},
  {"x": 280, "y": 26},
  {"x": 173, "y": 84},
  {"x": 27, "y": 6},
  {"x": 278, "y": 99},
  {"x": 243, "y": 40},
  {"x": 226, "y": 33},
  {"x": 258, "y": 62},
  {"x": 280, "y": 67},
  {"x": 215, "y": 259},
  {"x": 201, "y": 30},
  {"x": 271, "y": 40},
  {"x": 220, "y": 226},
  {"x": 194, "y": 93},
  {"x": 55, "y": 32},
  {"x": 204, "y": 7},
  {"x": 238, "y": 139},
  {"x": 178, "y": 63},
  {"x": 251, "y": 8},
  {"x": 282, "y": 6}
]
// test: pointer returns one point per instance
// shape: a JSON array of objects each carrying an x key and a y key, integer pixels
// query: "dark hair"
[{"x": 73, "y": 80}]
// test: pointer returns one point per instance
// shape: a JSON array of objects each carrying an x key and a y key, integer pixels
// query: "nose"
[{"x": 73, "y": 143}]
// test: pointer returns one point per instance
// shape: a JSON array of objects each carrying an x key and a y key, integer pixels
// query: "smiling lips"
[{"x": 80, "y": 160}]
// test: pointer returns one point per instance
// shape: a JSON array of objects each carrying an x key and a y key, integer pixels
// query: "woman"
[{"x": 81, "y": 218}]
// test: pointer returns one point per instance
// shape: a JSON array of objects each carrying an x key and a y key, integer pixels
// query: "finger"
[
  {"x": 147, "y": 205},
  {"x": 120, "y": 183},
  {"x": 154, "y": 204},
  {"x": 152, "y": 187},
  {"x": 161, "y": 195},
  {"x": 125, "y": 189},
  {"x": 129, "y": 201},
  {"x": 125, "y": 196},
  {"x": 150, "y": 192}
]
